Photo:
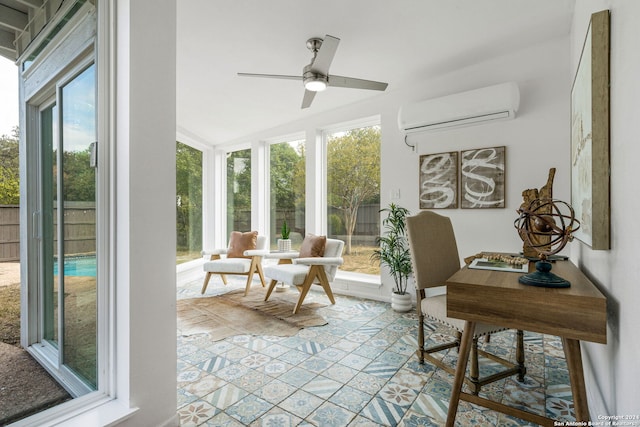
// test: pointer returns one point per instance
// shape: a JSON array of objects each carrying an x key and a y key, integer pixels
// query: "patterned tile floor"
[{"x": 358, "y": 370}]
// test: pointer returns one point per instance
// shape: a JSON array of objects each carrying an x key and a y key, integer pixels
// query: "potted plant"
[
  {"x": 394, "y": 253},
  {"x": 284, "y": 243}
]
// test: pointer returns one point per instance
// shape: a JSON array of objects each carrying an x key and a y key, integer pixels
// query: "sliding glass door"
[{"x": 68, "y": 223}]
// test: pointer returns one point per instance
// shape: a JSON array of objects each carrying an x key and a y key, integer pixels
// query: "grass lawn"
[
  {"x": 360, "y": 260},
  {"x": 10, "y": 314}
]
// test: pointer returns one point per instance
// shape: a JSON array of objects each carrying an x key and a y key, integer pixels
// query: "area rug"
[
  {"x": 234, "y": 314},
  {"x": 25, "y": 387}
]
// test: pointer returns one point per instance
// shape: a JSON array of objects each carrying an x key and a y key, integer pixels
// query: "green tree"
[
  {"x": 79, "y": 177},
  {"x": 239, "y": 190},
  {"x": 282, "y": 169},
  {"x": 10, "y": 168},
  {"x": 299, "y": 177},
  {"x": 188, "y": 198},
  {"x": 354, "y": 168},
  {"x": 286, "y": 170}
]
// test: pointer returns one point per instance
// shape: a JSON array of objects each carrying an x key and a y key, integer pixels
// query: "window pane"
[
  {"x": 49, "y": 162},
  {"x": 287, "y": 174},
  {"x": 188, "y": 202},
  {"x": 239, "y": 191},
  {"x": 78, "y": 263},
  {"x": 353, "y": 195}
]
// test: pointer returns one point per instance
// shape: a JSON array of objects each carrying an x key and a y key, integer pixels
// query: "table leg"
[
  {"x": 461, "y": 367},
  {"x": 281, "y": 287},
  {"x": 576, "y": 375}
]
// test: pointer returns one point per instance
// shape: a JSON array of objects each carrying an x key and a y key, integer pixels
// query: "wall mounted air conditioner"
[{"x": 498, "y": 102}]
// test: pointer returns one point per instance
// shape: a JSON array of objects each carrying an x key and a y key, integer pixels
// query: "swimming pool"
[{"x": 78, "y": 266}]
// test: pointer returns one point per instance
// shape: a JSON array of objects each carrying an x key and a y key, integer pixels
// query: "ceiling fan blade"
[
  {"x": 308, "y": 98},
  {"x": 351, "y": 82},
  {"x": 325, "y": 55},
  {"x": 270, "y": 76}
]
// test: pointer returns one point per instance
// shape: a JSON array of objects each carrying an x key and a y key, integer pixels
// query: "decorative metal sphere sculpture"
[{"x": 547, "y": 225}]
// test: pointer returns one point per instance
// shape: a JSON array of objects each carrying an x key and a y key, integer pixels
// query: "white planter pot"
[
  {"x": 401, "y": 302},
  {"x": 284, "y": 245}
]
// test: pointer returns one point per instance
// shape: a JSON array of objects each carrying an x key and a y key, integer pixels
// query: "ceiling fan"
[{"x": 316, "y": 77}]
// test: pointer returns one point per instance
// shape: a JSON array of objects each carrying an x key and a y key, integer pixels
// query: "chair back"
[
  {"x": 333, "y": 248},
  {"x": 433, "y": 248},
  {"x": 261, "y": 242}
]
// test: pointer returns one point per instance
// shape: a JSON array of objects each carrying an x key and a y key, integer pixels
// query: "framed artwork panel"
[
  {"x": 482, "y": 174},
  {"x": 590, "y": 164},
  {"x": 438, "y": 185}
]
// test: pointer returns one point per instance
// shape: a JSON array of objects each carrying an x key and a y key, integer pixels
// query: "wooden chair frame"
[
  {"x": 474, "y": 381},
  {"x": 255, "y": 267},
  {"x": 315, "y": 272}
]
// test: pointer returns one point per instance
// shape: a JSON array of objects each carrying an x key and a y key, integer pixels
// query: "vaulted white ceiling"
[{"x": 402, "y": 42}]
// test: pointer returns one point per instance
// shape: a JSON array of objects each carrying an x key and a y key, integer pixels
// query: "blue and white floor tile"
[{"x": 359, "y": 370}]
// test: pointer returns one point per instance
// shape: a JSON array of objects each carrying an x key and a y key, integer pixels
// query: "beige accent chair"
[
  {"x": 306, "y": 271},
  {"x": 244, "y": 262},
  {"x": 434, "y": 256}
]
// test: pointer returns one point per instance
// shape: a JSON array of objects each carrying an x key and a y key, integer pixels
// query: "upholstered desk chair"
[
  {"x": 312, "y": 267},
  {"x": 434, "y": 256},
  {"x": 242, "y": 257}
]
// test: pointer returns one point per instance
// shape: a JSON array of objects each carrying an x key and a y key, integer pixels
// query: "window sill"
[
  {"x": 367, "y": 286},
  {"x": 105, "y": 412},
  {"x": 359, "y": 278}
]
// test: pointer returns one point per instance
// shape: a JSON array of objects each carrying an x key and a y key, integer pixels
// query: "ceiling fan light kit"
[
  {"x": 313, "y": 81},
  {"x": 316, "y": 77},
  {"x": 315, "y": 85}
]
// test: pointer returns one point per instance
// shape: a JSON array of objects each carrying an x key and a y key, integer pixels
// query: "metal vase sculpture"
[{"x": 546, "y": 225}]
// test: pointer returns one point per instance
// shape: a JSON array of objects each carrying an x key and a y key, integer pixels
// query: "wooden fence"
[
  {"x": 80, "y": 230},
  {"x": 9, "y": 233}
]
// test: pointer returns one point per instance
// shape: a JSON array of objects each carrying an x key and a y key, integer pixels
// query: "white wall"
[
  {"x": 535, "y": 141},
  {"x": 145, "y": 211},
  {"x": 612, "y": 371}
]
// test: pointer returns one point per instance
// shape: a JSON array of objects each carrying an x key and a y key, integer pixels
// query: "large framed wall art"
[
  {"x": 482, "y": 176},
  {"x": 438, "y": 185},
  {"x": 590, "y": 164}
]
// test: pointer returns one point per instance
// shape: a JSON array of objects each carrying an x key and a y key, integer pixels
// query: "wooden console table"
[{"x": 575, "y": 313}]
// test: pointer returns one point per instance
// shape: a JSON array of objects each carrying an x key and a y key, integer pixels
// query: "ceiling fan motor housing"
[
  {"x": 314, "y": 43},
  {"x": 314, "y": 81}
]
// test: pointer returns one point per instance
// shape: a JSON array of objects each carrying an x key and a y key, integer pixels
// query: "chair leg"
[
  {"x": 522, "y": 370},
  {"x": 224, "y": 278},
  {"x": 260, "y": 273},
  {"x": 304, "y": 289},
  {"x": 324, "y": 282},
  {"x": 248, "y": 285},
  {"x": 252, "y": 269},
  {"x": 272, "y": 285},
  {"x": 474, "y": 370},
  {"x": 206, "y": 283},
  {"x": 421, "y": 338}
]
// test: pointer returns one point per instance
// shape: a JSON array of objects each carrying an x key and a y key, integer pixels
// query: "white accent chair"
[
  {"x": 220, "y": 264},
  {"x": 304, "y": 272}
]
